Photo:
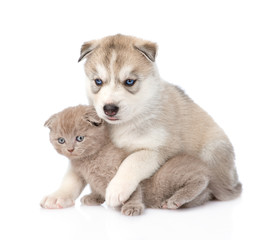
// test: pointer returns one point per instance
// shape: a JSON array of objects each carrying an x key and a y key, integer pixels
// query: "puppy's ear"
[
  {"x": 87, "y": 48},
  {"x": 92, "y": 117},
  {"x": 148, "y": 49},
  {"x": 49, "y": 123}
]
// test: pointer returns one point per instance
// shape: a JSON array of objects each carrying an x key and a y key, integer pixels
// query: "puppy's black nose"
[{"x": 110, "y": 109}]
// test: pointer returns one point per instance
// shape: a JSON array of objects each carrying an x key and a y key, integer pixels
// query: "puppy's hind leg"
[
  {"x": 192, "y": 188},
  {"x": 202, "y": 198}
]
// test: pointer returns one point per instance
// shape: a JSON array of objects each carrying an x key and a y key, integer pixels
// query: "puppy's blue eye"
[
  {"x": 61, "y": 140},
  {"x": 79, "y": 138},
  {"x": 98, "y": 82},
  {"x": 130, "y": 82}
]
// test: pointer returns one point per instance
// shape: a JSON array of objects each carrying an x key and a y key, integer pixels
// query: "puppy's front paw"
[
  {"x": 55, "y": 202},
  {"x": 118, "y": 192},
  {"x": 132, "y": 209},
  {"x": 92, "y": 200}
]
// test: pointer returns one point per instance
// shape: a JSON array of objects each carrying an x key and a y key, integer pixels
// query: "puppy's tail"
[
  {"x": 224, "y": 182},
  {"x": 223, "y": 193}
]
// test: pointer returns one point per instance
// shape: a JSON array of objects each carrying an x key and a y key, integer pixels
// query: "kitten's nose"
[
  {"x": 70, "y": 150},
  {"x": 110, "y": 109}
]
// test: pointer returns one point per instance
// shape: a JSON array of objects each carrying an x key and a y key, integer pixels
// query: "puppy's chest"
[{"x": 139, "y": 137}]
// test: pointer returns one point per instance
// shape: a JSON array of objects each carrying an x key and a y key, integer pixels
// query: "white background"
[{"x": 223, "y": 53}]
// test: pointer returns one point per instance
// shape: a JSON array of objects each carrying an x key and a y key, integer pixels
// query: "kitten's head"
[{"x": 77, "y": 132}]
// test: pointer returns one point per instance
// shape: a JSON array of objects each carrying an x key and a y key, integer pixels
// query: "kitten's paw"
[
  {"x": 92, "y": 200},
  {"x": 52, "y": 202},
  {"x": 170, "y": 204},
  {"x": 118, "y": 192},
  {"x": 132, "y": 209}
]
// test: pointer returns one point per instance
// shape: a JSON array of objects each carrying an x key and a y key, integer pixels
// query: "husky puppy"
[{"x": 151, "y": 119}]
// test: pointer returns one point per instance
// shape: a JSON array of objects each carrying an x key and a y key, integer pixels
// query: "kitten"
[{"x": 79, "y": 134}]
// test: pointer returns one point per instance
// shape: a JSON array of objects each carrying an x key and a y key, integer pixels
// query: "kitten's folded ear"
[
  {"x": 87, "y": 48},
  {"x": 50, "y": 121},
  {"x": 92, "y": 117}
]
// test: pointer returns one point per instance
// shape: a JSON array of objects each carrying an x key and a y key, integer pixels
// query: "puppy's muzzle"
[{"x": 110, "y": 110}]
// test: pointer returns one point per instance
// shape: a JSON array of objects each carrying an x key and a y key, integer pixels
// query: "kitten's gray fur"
[{"x": 180, "y": 182}]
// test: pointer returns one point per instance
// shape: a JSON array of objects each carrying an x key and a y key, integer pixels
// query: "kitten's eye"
[
  {"x": 98, "y": 82},
  {"x": 61, "y": 140},
  {"x": 129, "y": 82},
  {"x": 79, "y": 138}
]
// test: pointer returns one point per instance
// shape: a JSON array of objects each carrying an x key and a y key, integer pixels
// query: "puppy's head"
[{"x": 121, "y": 76}]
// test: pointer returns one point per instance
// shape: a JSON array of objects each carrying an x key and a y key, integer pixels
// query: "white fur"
[
  {"x": 124, "y": 134},
  {"x": 125, "y": 71},
  {"x": 111, "y": 66},
  {"x": 101, "y": 71},
  {"x": 68, "y": 191}
]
